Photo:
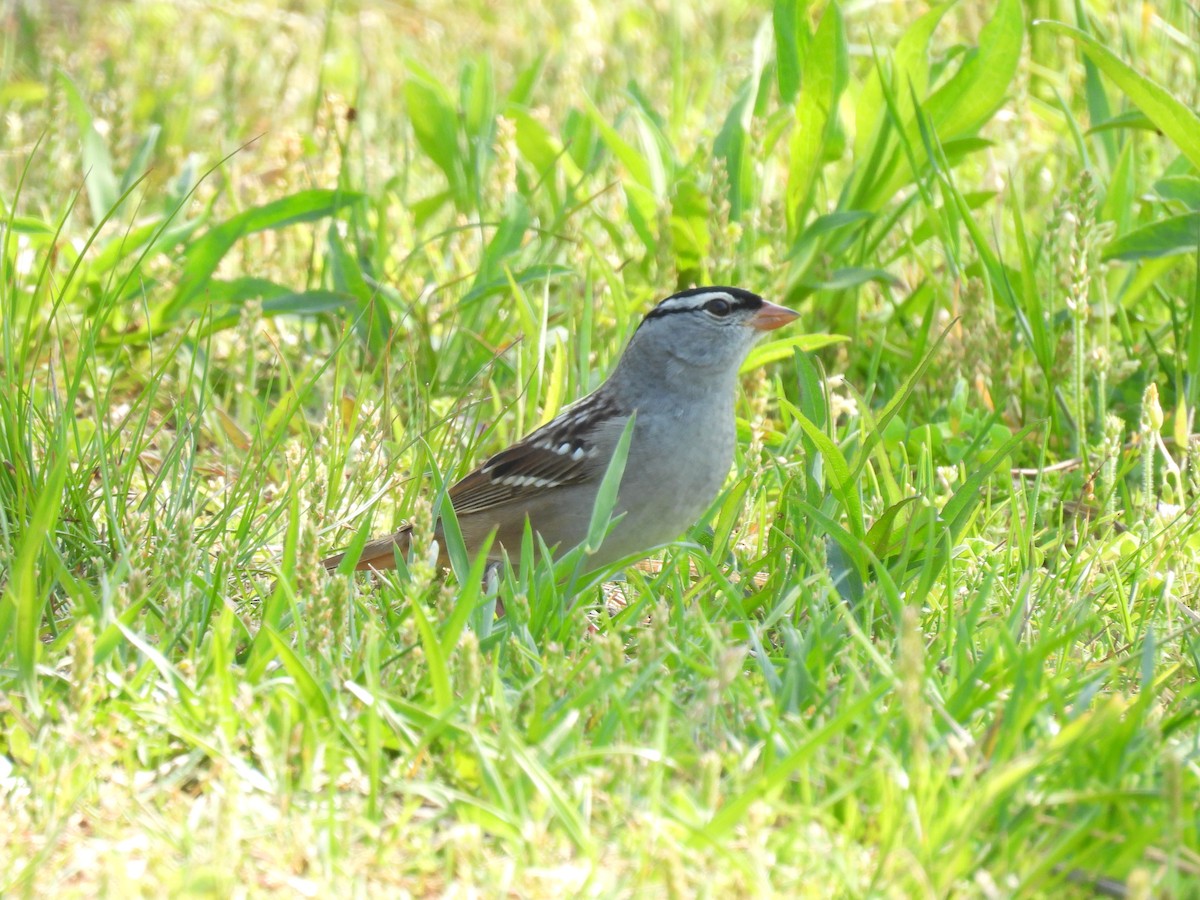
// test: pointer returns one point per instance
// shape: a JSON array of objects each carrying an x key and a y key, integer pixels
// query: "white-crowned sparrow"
[{"x": 679, "y": 373}]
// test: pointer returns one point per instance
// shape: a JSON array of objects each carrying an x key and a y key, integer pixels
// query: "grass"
[{"x": 268, "y": 294}]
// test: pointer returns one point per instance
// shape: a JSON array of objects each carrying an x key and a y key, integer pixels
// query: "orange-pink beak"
[{"x": 769, "y": 317}]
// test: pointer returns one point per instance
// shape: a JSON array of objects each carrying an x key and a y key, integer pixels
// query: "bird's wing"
[{"x": 570, "y": 449}]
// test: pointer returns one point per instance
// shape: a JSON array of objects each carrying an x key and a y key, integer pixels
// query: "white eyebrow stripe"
[{"x": 696, "y": 301}]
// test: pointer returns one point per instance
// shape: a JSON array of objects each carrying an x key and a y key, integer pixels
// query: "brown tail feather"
[{"x": 377, "y": 554}]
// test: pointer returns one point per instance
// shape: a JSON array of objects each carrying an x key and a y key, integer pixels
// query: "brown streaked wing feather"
[{"x": 560, "y": 453}]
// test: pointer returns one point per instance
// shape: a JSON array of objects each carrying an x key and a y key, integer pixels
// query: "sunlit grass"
[{"x": 259, "y": 299}]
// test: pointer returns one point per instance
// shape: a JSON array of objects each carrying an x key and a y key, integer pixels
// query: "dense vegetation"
[{"x": 266, "y": 293}]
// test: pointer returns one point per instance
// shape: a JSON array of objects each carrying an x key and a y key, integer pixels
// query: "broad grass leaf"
[
  {"x": 435, "y": 126},
  {"x": 656, "y": 146},
  {"x": 284, "y": 303},
  {"x": 646, "y": 187},
  {"x": 435, "y": 660},
  {"x": 728, "y": 517},
  {"x": 347, "y": 275},
  {"x": 954, "y": 113},
  {"x": 813, "y": 404},
  {"x": 32, "y": 226},
  {"x": 879, "y": 537},
  {"x": 456, "y": 547},
  {"x": 506, "y": 240},
  {"x": 581, "y": 140},
  {"x": 691, "y": 214},
  {"x": 642, "y": 206},
  {"x": 549, "y": 790},
  {"x": 311, "y": 693},
  {"x": 205, "y": 253},
  {"x": 1026, "y": 306},
  {"x": 783, "y": 348},
  {"x": 121, "y": 247},
  {"x": 1134, "y": 120},
  {"x": 842, "y": 484},
  {"x": 845, "y": 568},
  {"x": 1098, "y": 106},
  {"x": 468, "y": 599},
  {"x": 141, "y": 158},
  {"x": 17, "y": 90},
  {"x": 527, "y": 82},
  {"x": 830, "y": 224},
  {"x": 541, "y": 149},
  {"x": 1184, "y": 189},
  {"x": 353, "y": 551},
  {"x": 836, "y": 228},
  {"x": 1120, "y": 200},
  {"x": 790, "y": 26},
  {"x": 1171, "y": 116},
  {"x": 1166, "y": 237},
  {"x": 112, "y": 636},
  {"x": 427, "y": 207},
  {"x": 965, "y": 102},
  {"x": 477, "y": 99},
  {"x": 635, "y": 163},
  {"x": 732, "y": 144},
  {"x": 236, "y": 291},
  {"x": 101, "y": 182},
  {"x": 169, "y": 673},
  {"x": 955, "y": 150},
  {"x": 921, "y": 546},
  {"x": 826, "y": 71}
]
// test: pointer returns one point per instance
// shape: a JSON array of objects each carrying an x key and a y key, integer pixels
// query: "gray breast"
[{"x": 682, "y": 467}]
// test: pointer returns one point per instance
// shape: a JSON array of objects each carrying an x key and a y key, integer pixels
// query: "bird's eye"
[{"x": 718, "y": 307}]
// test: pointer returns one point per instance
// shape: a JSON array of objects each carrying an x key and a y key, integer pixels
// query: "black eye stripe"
[{"x": 658, "y": 312}]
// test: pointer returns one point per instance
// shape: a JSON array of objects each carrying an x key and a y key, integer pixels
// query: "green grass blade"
[
  {"x": 606, "y": 495},
  {"x": 23, "y": 602},
  {"x": 1171, "y": 116}
]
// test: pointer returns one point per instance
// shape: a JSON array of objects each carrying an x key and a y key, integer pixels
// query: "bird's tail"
[{"x": 377, "y": 554}]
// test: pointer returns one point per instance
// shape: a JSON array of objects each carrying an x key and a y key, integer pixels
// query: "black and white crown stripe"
[{"x": 696, "y": 298}]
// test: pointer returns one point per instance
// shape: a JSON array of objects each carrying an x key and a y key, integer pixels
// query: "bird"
[{"x": 677, "y": 378}]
